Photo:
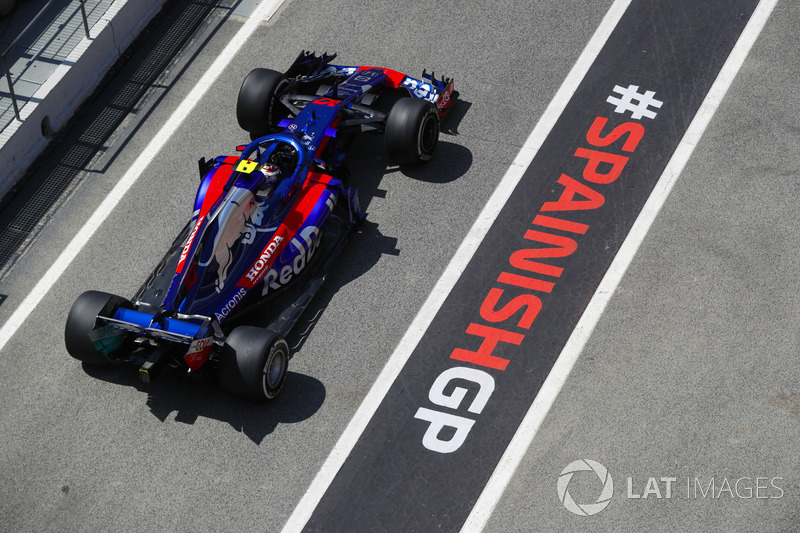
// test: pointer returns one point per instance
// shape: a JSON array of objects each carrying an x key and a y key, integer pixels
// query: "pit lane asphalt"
[{"x": 698, "y": 380}]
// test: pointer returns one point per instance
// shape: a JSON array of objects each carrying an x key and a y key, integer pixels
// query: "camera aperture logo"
[
  {"x": 585, "y": 509},
  {"x": 663, "y": 488}
]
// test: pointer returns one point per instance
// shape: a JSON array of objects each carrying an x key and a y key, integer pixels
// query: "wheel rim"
[
  {"x": 274, "y": 370},
  {"x": 271, "y": 102},
  {"x": 427, "y": 134}
]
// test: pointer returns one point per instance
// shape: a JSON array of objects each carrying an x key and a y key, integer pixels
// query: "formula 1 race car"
[{"x": 266, "y": 227}]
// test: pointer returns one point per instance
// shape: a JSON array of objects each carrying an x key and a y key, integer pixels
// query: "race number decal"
[
  {"x": 329, "y": 102},
  {"x": 420, "y": 89},
  {"x": 245, "y": 166}
]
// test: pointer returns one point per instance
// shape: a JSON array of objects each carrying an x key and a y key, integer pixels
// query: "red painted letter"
[
  {"x": 530, "y": 302},
  {"x": 633, "y": 129},
  {"x": 491, "y": 338},
  {"x": 567, "y": 201},
  {"x": 590, "y": 173}
]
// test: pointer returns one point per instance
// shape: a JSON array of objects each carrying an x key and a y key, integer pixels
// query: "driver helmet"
[{"x": 271, "y": 172}]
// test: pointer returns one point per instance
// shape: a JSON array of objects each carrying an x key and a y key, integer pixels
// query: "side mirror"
[{"x": 204, "y": 166}]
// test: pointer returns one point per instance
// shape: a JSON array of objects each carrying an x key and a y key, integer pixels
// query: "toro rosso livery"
[{"x": 266, "y": 226}]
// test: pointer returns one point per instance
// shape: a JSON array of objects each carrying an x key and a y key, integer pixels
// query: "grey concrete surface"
[
  {"x": 689, "y": 373},
  {"x": 66, "y": 81},
  {"x": 43, "y": 37}
]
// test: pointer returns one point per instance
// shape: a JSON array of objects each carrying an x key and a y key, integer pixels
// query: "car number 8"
[{"x": 245, "y": 166}]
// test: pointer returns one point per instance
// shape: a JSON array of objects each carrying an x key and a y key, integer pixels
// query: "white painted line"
[
  {"x": 522, "y": 439},
  {"x": 264, "y": 12},
  {"x": 457, "y": 264}
]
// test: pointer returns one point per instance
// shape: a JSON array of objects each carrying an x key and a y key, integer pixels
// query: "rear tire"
[
  {"x": 258, "y": 108},
  {"x": 253, "y": 363},
  {"x": 81, "y": 322},
  {"x": 412, "y": 131}
]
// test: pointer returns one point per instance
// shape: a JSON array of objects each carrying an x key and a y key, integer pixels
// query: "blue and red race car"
[{"x": 267, "y": 225}]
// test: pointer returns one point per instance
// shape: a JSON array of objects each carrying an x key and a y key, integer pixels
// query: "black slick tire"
[
  {"x": 258, "y": 109},
  {"x": 253, "y": 363},
  {"x": 82, "y": 319},
  {"x": 412, "y": 131}
]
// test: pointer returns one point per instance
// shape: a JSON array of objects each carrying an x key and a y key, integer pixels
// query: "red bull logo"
[{"x": 310, "y": 242}]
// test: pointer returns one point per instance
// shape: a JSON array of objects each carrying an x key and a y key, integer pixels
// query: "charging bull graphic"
[
  {"x": 253, "y": 226},
  {"x": 242, "y": 216}
]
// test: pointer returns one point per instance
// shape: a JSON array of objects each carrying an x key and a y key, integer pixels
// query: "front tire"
[
  {"x": 412, "y": 131},
  {"x": 82, "y": 320},
  {"x": 258, "y": 108},
  {"x": 253, "y": 363}
]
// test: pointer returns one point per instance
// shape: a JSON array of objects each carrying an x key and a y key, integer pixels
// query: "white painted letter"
[
  {"x": 454, "y": 399},
  {"x": 439, "y": 421}
]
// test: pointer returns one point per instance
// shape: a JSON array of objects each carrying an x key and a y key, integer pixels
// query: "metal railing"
[{"x": 81, "y": 8}]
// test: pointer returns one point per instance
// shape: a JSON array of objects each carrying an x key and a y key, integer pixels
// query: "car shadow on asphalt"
[
  {"x": 365, "y": 249},
  {"x": 369, "y": 163},
  {"x": 454, "y": 117},
  {"x": 192, "y": 397},
  {"x": 450, "y": 163}
]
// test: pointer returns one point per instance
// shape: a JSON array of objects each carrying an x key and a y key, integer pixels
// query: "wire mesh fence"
[{"x": 36, "y": 39}]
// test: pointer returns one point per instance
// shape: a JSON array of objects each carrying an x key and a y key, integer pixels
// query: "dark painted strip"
[{"x": 533, "y": 275}]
